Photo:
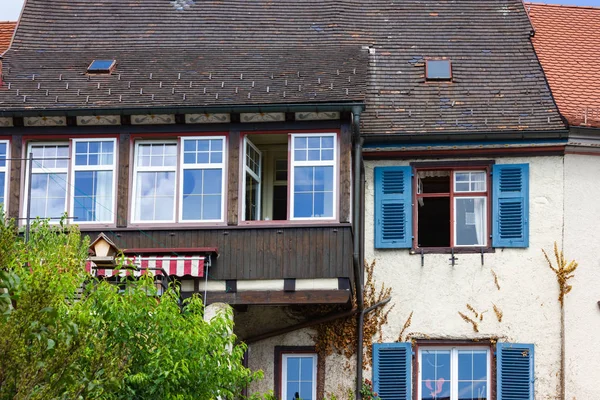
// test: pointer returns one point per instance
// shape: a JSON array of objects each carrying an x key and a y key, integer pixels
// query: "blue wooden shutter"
[
  {"x": 515, "y": 371},
  {"x": 392, "y": 370},
  {"x": 511, "y": 205},
  {"x": 393, "y": 211}
]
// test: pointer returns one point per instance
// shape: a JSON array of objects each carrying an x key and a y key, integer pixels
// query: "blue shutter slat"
[
  {"x": 392, "y": 374},
  {"x": 515, "y": 371},
  {"x": 510, "y": 205},
  {"x": 393, "y": 212}
]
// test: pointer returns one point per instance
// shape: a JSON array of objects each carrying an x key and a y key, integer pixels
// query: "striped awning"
[{"x": 180, "y": 266}]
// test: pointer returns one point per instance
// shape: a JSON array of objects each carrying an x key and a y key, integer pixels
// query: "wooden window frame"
[
  {"x": 461, "y": 166},
  {"x": 280, "y": 351},
  {"x": 6, "y": 170},
  {"x": 484, "y": 344},
  {"x": 179, "y": 169}
]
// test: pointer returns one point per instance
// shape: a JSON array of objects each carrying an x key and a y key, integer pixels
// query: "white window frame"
[
  {"x": 330, "y": 163},
  {"x": 454, "y": 350},
  {"x": 6, "y": 170},
  {"x": 137, "y": 169},
  {"x": 75, "y": 168},
  {"x": 182, "y": 166},
  {"x": 246, "y": 169},
  {"x": 46, "y": 171},
  {"x": 284, "y": 359},
  {"x": 70, "y": 181}
]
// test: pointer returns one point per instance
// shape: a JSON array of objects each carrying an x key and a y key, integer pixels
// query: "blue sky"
[{"x": 10, "y": 9}]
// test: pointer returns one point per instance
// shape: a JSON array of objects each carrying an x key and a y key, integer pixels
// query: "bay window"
[
  {"x": 179, "y": 181},
  {"x": 76, "y": 177},
  {"x": 290, "y": 177},
  {"x": 4, "y": 172}
]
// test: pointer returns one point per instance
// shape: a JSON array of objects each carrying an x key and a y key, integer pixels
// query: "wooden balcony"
[{"x": 254, "y": 252}]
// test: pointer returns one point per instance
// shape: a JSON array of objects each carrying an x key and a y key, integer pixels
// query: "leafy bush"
[{"x": 59, "y": 341}]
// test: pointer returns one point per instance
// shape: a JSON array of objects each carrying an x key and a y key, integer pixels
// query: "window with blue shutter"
[
  {"x": 515, "y": 371},
  {"x": 392, "y": 370},
  {"x": 511, "y": 205},
  {"x": 393, "y": 207}
]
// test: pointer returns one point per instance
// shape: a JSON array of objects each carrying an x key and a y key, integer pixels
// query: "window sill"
[
  {"x": 286, "y": 223},
  {"x": 224, "y": 227},
  {"x": 450, "y": 250}
]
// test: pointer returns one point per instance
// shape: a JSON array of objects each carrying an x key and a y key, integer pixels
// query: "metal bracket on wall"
[
  {"x": 422, "y": 258},
  {"x": 453, "y": 259},
  {"x": 482, "y": 260}
]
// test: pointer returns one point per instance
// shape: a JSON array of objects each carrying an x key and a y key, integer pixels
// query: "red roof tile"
[
  {"x": 567, "y": 42},
  {"x": 6, "y": 34}
]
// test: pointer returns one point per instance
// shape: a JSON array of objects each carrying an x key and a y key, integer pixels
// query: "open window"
[
  {"x": 289, "y": 177},
  {"x": 452, "y": 207}
]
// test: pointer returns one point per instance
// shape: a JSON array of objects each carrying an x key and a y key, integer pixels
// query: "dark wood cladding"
[
  {"x": 345, "y": 172},
  {"x": 233, "y": 177},
  {"x": 14, "y": 194},
  {"x": 123, "y": 187},
  {"x": 256, "y": 253}
]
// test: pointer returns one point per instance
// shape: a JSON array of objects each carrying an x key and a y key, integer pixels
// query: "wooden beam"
[{"x": 280, "y": 298}]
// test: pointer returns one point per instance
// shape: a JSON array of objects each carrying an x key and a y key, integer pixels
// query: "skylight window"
[
  {"x": 438, "y": 70},
  {"x": 101, "y": 66}
]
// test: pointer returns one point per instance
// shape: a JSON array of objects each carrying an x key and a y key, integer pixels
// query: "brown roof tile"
[
  {"x": 6, "y": 34},
  {"x": 498, "y": 85},
  {"x": 567, "y": 42}
]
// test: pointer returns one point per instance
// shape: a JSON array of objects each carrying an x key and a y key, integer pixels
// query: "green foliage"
[{"x": 65, "y": 335}]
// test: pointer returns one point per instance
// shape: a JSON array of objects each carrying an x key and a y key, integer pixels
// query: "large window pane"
[
  {"x": 313, "y": 192},
  {"x": 48, "y": 195},
  {"x": 435, "y": 375},
  {"x": 3, "y": 153},
  {"x": 157, "y": 190},
  {"x": 299, "y": 379},
  {"x": 93, "y": 199},
  {"x": 470, "y": 214},
  {"x": 2, "y": 183},
  {"x": 202, "y": 194}
]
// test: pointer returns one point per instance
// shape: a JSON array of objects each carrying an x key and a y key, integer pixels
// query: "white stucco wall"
[
  {"x": 582, "y": 243},
  {"x": 339, "y": 372},
  {"x": 528, "y": 292}
]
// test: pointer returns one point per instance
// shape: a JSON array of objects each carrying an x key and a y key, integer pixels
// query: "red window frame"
[{"x": 452, "y": 194}]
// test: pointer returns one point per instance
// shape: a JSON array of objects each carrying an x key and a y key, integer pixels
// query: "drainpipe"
[{"x": 358, "y": 256}]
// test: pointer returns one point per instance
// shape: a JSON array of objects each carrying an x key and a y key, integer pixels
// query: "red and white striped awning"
[{"x": 180, "y": 266}]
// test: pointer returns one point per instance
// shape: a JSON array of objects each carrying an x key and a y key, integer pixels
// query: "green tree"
[{"x": 66, "y": 335}]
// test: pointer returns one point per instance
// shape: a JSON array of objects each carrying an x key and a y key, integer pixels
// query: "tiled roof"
[
  {"x": 6, "y": 34},
  {"x": 567, "y": 42},
  {"x": 497, "y": 83}
]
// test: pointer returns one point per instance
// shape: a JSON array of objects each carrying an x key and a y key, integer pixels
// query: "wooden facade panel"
[
  {"x": 123, "y": 180},
  {"x": 14, "y": 195},
  {"x": 256, "y": 253},
  {"x": 233, "y": 168},
  {"x": 345, "y": 172}
]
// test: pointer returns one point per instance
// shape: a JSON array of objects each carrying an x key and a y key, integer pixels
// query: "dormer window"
[
  {"x": 438, "y": 70},
  {"x": 101, "y": 66}
]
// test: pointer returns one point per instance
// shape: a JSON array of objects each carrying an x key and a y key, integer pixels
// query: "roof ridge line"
[{"x": 529, "y": 3}]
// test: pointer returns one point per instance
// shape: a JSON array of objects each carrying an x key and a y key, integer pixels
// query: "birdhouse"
[{"x": 103, "y": 251}]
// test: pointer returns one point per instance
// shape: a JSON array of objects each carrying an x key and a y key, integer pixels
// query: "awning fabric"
[{"x": 189, "y": 265}]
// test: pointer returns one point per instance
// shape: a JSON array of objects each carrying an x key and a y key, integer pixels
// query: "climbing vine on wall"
[
  {"x": 340, "y": 336},
  {"x": 564, "y": 271}
]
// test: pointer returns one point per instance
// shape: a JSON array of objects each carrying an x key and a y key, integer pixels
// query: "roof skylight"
[
  {"x": 101, "y": 66},
  {"x": 438, "y": 70}
]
